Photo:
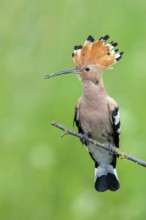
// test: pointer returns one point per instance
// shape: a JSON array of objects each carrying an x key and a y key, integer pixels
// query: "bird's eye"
[{"x": 87, "y": 69}]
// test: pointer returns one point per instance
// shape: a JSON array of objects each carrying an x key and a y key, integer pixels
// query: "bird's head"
[{"x": 92, "y": 58}]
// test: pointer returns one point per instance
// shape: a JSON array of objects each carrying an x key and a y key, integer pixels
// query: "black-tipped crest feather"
[{"x": 90, "y": 38}]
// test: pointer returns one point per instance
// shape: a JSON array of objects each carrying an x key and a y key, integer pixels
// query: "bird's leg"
[
  {"x": 83, "y": 138},
  {"x": 110, "y": 148}
]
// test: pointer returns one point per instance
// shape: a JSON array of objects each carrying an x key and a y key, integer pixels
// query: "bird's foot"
[
  {"x": 110, "y": 146},
  {"x": 84, "y": 138}
]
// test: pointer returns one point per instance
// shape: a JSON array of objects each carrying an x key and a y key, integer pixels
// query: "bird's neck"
[{"x": 92, "y": 91}]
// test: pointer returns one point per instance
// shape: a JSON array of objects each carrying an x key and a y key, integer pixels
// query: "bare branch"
[{"x": 109, "y": 148}]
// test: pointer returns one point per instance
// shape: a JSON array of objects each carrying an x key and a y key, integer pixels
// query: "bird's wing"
[
  {"x": 116, "y": 125},
  {"x": 78, "y": 124},
  {"x": 76, "y": 117},
  {"x": 115, "y": 120}
]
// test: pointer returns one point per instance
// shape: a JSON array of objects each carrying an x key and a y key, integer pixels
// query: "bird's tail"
[{"x": 106, "y": 179}]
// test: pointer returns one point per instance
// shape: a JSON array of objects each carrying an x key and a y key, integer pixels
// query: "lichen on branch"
[{"x": 109, "y": 148}]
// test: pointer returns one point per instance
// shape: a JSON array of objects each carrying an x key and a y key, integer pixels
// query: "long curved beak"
[{"x": 75, "y": 71}]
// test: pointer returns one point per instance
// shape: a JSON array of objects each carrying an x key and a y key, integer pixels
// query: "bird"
[{"x": 97, "y": 115}]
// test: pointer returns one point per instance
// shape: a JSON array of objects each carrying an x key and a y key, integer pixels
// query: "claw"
[
  {"x": 83, "y": 138},
  {"x": 110, "y": 148}
]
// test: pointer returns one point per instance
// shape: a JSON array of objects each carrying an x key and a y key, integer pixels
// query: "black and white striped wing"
[
  {"x": 78, "y": 124},
  {"x": 76, "y": 120},
  {"x": 115, "y": 117}
]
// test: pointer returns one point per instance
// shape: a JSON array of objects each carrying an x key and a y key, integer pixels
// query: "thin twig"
[{"x": 109, "y": 148}]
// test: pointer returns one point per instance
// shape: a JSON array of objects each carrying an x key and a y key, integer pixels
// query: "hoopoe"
[{"x": 96, "y": 113}]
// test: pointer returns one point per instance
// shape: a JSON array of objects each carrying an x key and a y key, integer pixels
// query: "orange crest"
[{"x": 98, "y": 53}]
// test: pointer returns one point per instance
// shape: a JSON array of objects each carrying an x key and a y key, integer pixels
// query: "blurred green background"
[{"x": 43, "y": 176}]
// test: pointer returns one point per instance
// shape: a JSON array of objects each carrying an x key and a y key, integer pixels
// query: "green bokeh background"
[{"x": 43, "y": 176}]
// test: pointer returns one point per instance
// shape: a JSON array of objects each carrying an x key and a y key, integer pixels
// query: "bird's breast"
[{"x": 95, "y": 119}]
